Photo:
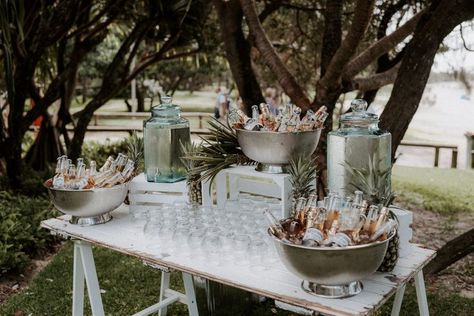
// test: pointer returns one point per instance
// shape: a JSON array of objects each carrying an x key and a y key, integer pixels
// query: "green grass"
[
  {"x": 198, "y": 101},
  {"x": 130, "y": 286},
  {"x": 446, "y": 191}
]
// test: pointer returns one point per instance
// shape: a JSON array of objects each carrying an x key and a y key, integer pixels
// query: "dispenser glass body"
[
  {"x": 163, "y": 135},
  {"x": 359, "y": 154}
]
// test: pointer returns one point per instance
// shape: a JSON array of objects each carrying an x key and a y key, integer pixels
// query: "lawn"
[
  {"x": 446, "y": 191},
  {"x": 128, "y": 286}
]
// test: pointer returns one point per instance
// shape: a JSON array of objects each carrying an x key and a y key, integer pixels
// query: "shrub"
[
  {"x": 99, "y": 152},
  {"x": 21, "y": 237}
]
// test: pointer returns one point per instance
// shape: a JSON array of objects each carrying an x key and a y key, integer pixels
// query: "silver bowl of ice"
[
  {"x": 332, "y": 272},
  {"x": 273, "y": 150},
  {"x": 90, "y": 206}
]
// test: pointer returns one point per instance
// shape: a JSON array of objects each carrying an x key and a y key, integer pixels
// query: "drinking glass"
[
  {"x": 241, "y": 243},
  {"x": 138, "y": 218}
]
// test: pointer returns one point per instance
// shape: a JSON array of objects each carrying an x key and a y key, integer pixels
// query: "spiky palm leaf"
[
  {"x": 373, "y": 181},
  {"x": 190, "y": 149},
  {"x": 217, "y": 151},
  {"x": 135, "y": 150},
  {"x": 302, "y": 172}
]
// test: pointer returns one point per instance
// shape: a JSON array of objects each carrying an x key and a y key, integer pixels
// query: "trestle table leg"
[
  {"x": 190, "y": 295},
  {"x": 165, "y": 284},
  {"x": 397, "y": 303},
  {"x": 77, "y": 283},
  {"x": 421, "y": 294},
  {"x": 90, "y": 275}
]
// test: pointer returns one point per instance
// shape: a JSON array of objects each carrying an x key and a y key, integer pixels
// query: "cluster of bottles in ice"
[
  {"x": 77, "y": 176},
  {"x": 334, "y": 222},
  {"x": 288, "y": 119}
]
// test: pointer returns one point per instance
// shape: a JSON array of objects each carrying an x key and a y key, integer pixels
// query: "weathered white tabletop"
[{"x": 277, "y": 283}]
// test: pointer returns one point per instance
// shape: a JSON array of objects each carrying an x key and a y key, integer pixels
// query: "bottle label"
[{"x": 313, "y": 234}]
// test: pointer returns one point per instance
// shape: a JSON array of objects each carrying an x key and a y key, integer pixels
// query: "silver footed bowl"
[
  {"x": 332, "y": 266},
  {"x": 88, "y": 204},
  {"x": 273, "y": 150}
]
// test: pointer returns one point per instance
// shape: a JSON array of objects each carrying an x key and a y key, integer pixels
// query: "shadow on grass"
[{"x": 128, "y": 287}]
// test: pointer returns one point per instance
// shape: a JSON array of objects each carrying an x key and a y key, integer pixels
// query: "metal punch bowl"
[
  {"x": 91, "y": 206},
  {"x": 332, "y": 272},
  {"x": 273, "y": 150}
]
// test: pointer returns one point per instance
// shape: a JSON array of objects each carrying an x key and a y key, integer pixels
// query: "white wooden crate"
[
  {"x": 231, "y": 181},
  {"x": 143, "y": 194}
]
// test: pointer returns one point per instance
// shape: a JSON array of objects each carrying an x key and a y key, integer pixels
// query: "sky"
[{"x": 457, "y": 56}]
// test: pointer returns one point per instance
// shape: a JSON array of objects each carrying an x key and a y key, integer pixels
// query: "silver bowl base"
[
  {"x": 269, "y": 168},
  {"x": 332, "y": 291},
  {"x": 90, "y": 221}
]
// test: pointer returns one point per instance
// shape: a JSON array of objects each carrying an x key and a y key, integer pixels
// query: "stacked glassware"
[{"x": 235, "y": 234}]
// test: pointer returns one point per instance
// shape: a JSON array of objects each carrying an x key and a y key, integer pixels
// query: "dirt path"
[
  {"x": 434, "y": 230},
  {"x": 14, "y": 283}
]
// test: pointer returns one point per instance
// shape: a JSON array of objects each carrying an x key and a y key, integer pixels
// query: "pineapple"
[
  {"x": 391, "y": 256},
  {"x": 302, "y": 172},
  {"x": 192, "y": 177},
  {"x": 135, "y": 151},
  {"x": 376, "y": 187},
  {"x": 375, "y": 183}
]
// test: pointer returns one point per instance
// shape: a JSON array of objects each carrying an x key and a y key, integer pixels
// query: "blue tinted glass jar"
[
  {"x": 359, "y": 153},
  {"x": 163, "y": 135}
]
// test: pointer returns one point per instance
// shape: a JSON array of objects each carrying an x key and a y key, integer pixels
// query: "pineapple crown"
[
  {"x": 372, "y": 181},
  {"x": 302, "y": 170}
]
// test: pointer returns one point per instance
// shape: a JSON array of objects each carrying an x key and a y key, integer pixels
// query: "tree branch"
[
  {"x": 96, "y": 18},
  {"x": 374, "y": 81},
  {"x": 153, "y": 58},
  {"x": 271, "y": 58},
  {"x": 182, "y": 54},
  {"x": 332, "y": 35},
  {"x": 269, "y": 8},
  {"x": 463, "y": 40},
  {"x": 380, "y": 47},
  {"x": 451, "y": 252},
  {"x": 362, "y": 15}
]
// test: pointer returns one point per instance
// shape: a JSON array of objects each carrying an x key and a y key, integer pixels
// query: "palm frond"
[{"x": 217, "y": 151}]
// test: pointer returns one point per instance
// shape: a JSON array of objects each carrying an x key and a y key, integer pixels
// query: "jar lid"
[
  {"x": 359, "y": 114},
  {"x": 166, "y": 109}
]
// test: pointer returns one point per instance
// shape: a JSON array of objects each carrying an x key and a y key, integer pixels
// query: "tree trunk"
[
  {"x": 433, "y": 27},
  {"x": 46, "y": 147},
  {"x": 140, "y": 99},
  {"x": 237, "y": 51},
  {"x": 23, "y": 74},
  {"x": 451, "y": 252},
  {"x": 332, "y": 35}
]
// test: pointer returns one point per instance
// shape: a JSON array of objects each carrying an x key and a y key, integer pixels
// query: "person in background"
[
  {"x": 222, "y": 103},
  {"x": 271, "y": 100}
]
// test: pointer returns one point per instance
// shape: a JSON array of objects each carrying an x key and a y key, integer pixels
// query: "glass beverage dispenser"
[
  {"x": 359, "y": 153},
  {"x": 163, "y": 135}
]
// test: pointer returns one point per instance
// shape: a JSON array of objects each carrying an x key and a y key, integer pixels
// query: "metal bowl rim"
[
  {"x": 369, "y": 245},
  {"x": 115, "y": 187},
  {"x": 278, "y": 133}
]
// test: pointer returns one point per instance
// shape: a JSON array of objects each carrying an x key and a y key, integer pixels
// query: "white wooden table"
[{"x": 276, "y": 283}]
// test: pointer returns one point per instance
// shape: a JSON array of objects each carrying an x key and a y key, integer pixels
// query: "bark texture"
[
  {"x": 451, "y": 252},
  {"x": 271, "y": 57},
  {"x": 237, "y": 51},
  {"x": 434, "y": 26}
]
